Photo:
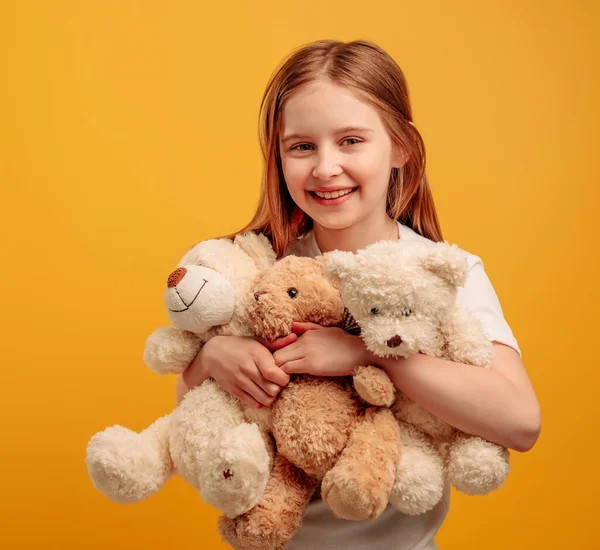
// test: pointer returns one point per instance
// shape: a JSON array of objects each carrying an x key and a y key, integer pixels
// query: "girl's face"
[{"x": 336, "y": 156}]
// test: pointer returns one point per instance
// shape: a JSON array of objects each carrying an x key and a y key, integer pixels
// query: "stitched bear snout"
[{"x": 176, "y": 277}]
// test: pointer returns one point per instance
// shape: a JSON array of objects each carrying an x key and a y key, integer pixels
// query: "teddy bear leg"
[
  {"x": 476, "y": 466},
  {"x": 127, "y": 466},
  {"x": 374, "y": 386},
  {"x": 358, "y": 486},
  {"x": 312, "y": 419},
  {"x": 214, "y": 449},
  {"x": 419, "y": 482},
  {"x": 273, "y": 522},
  {"x": 170, "y": 350},
  {"x": 235, "y": 470}
]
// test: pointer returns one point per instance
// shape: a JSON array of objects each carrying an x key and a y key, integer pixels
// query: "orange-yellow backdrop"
[{"x": 129, "y": 133}]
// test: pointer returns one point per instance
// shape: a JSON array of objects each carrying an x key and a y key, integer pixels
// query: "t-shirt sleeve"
[{"x": 479, "y": 297}]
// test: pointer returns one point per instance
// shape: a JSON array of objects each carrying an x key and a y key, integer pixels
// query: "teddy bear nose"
[
  {"x": 259, "y": 293},
  {"x": 394, "y": 342},
  {"x": 176, "y": 276}
]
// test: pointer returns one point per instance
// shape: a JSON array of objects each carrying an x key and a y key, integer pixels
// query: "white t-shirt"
[{"x": 393, "y": 530}]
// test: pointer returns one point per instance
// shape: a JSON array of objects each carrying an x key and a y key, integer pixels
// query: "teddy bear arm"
[
  {"x": 171, "y": 350},
  {"x": 374, "y": 386},
  {"x": 465, "y": 340}
]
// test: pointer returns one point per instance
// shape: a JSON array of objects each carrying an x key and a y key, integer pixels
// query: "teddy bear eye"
[
  {"x": 292, "y": 292},
  {"x": 406, "y": 311},
  {"x": 374, "y": 311}
]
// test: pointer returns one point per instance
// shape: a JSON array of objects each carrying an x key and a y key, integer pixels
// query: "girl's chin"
[{"x": 333, "y": 221}]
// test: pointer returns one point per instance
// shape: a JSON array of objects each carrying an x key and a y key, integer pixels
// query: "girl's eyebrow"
[{"x": 340, "y": 131}]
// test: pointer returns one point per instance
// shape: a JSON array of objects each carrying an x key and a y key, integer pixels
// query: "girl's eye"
[
  {"x": 355, "y": 140},
  {"x": 301, "y": 147},
  {"x": 406, "y": 311},
  {"x": 309, "y": 147},
  {"x": 374, "y": 311},
  {"x": 292, "y": 292}
]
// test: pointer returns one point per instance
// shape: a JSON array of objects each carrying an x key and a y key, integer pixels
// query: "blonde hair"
[{"x": 371, "y": 73}]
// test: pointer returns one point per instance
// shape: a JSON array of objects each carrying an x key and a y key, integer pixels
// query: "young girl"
[{"x": 345, "y": 167}]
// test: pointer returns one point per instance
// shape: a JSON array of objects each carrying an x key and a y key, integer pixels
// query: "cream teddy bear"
[
  {"x": 218, "y": 445},
  {"x": 403, "y": 296}
]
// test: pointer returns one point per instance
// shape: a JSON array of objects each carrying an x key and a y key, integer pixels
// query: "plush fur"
[
  {"x": 323, "y": 430},
  {"x": 403, "y": 296},
  {"x": 221, "y": 447}
]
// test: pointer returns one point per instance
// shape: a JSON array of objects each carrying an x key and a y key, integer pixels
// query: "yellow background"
[{"x": 129, "y": 132}]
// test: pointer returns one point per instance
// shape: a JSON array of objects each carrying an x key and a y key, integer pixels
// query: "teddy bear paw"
[
  {"x": 235, "y": 470},
  {"x": 351, "y": 501},
  {"x": 124, "y": 466},
  {"x": 248, "y": 532},
  {"x": 476, "y": 466},
  {"x": 419, "y": 482},
  {"x": 374, "y": 386},
  {"x": 170, "y": 350}
]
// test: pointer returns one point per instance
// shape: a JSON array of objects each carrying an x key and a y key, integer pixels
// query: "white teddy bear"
[
  {"x": 218, "y": 445},
  {"x": 403, "y": 296}
]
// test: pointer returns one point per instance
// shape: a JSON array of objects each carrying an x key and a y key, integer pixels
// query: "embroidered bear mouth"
[{"x": 183, "y": 301}]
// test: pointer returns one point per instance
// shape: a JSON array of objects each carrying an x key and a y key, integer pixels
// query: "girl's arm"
[{"x": 497, "y": 404}]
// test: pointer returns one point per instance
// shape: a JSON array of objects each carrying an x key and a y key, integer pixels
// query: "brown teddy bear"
[{"x": 323, "y": 430}]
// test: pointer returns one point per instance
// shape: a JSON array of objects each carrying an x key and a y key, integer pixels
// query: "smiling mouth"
[
  {"x": 187, "y": 306},
  {"x": 330, "y": 195}
]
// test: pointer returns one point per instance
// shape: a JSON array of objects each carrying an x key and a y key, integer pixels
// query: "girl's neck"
[{"x": 357, "y": 236}]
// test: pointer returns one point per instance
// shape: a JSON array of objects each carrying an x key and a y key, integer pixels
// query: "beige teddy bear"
[
  {"x": 323, "y": 431},
  {"x": 403, "y": 296},
  {"x": 221, "y": 447}
]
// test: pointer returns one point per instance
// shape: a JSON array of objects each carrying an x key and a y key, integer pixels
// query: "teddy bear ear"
[
  {"x": 337, "y": 264},
  {"x": 447, "y": 262},
  {"x": 258, "y": 247}
]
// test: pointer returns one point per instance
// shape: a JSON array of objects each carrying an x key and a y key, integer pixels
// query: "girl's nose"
[{"x": 327, "y": 166}]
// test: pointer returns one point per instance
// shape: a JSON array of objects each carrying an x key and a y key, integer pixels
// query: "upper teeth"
[{"x": 333, "y": 195}]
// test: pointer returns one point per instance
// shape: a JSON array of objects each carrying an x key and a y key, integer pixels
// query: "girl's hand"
[
  {"x": 321, "y": 351},
  {"x": 278, "y": 343},
  {"x": 243, "y": 367}
]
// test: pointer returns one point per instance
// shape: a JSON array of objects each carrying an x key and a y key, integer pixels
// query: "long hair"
[{"x": 374, "y": 76}]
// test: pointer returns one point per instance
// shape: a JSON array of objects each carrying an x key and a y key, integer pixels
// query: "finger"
[
  {"x": 256, "y": 392},
  {"x": 269, "y": 387},
  {"x": 301, "y": 328},
  {"x": 246, "y": 398},
  {"x": 286, "y": 354},
  {"x": 271, "y": 372},
  {"x": 279, "y": 343},
  {"x": 295, "y": 367}
]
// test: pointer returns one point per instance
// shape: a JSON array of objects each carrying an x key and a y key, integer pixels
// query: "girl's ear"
[
  {"x": 399, "y": 156},
  {"x": 337, "y": 265},
  {"x": 258, "y": 247}
]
